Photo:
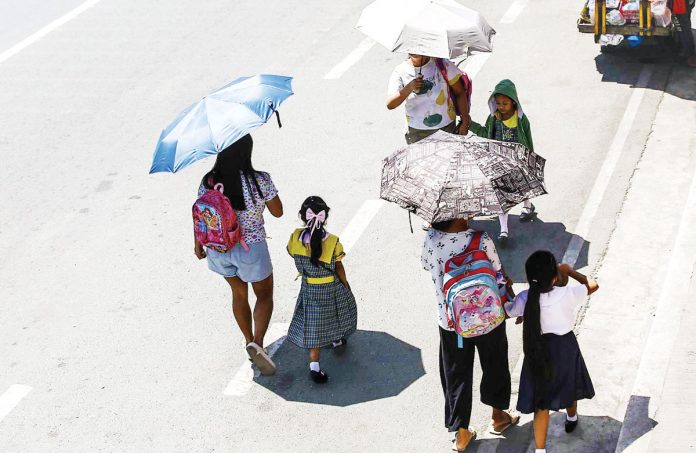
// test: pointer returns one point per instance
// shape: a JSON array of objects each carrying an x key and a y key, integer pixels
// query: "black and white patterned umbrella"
[{"x": 447, "y": 176}]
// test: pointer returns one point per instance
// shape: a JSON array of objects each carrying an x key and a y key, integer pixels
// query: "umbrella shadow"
[
  {"x": 623, "y": 64},
  {"x": 528, "y": 237},
  {"x": 375, "y": 365},
  {"x": 598, "y": 434}
]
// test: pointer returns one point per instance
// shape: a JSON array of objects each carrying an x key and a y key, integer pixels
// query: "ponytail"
[
  {"x": 541, "y": 270},
  {"x": 314, "y": 213}
]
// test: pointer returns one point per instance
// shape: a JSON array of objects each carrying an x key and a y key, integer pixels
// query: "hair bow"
[{"x": 315, "y": 220}]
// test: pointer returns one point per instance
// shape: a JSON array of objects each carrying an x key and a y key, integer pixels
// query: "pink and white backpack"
[{"x": 215, "y": 223}]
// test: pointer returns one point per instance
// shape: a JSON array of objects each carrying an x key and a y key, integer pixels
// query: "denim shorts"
[{"x": 250, "y": 266}]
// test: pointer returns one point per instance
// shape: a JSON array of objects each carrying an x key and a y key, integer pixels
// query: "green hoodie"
[{"x": 524, "y": 133}]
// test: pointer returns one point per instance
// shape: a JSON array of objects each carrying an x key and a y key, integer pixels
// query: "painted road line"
[
  {"x": 242, "y": 380},
  {"x": 12, "y": 397},
  {"x": 514, "y": 11},
  {"x": 337, "y": 71},
  {"x": 359, "y": 222},
  {"x": 654, "y": 363},
  {"x": 475, "y": 62},
  {"x": 46, "y": 30},
  {"x": 605, "y": 173}
]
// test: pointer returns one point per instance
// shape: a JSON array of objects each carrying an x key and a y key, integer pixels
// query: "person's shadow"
[
  {"x": 593, "y": 434},
  {"x": 374, "y": 365},
  {"x": 528, "y": 237}
]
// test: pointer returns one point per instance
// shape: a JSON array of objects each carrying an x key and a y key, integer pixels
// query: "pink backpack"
[
  {"x": 215, "y": 223},
  {"x": 464, "y": 81}
]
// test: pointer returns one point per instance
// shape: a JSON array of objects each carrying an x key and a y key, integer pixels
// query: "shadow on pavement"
[
  {"x": 593, "y": 434},
  {"x": 622, "y": 64},
  {"x": 375, "y": 365},
  {"x": 636, "y": 422},
  {"x": 526, "y": 238}
]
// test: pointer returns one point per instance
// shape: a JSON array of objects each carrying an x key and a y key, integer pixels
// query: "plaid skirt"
[{"x": 324, "y": 313}]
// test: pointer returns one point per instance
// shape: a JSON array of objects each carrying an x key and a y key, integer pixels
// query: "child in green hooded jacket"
[{"x": 507, "y": 123}]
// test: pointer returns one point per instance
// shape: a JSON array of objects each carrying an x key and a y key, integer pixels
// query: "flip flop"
[
  {"x": 454, "y": 442},
  {"x": 514, "y": 419},
  {"x": 262, "y": 361}
]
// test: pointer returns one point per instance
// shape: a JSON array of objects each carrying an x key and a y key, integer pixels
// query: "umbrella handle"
[
  {"x": 278, "y": 118},
  {"x": 409, "y": 221}
]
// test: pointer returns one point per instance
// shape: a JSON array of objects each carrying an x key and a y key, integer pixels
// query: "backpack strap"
[
  {"x": 450, "y": 92},
  {"x": 443, "y": 71},
  {"x": 474, "y": 242}
]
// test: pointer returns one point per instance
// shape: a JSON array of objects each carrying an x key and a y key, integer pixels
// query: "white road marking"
[
  {"x": 606, "y": 171},
  {"x": 475, "y": 62},
  {"x": 652, "y": 371},
  {"x": 46, "y": 30},
  {"x": 359, "y": 222},
  {"x": 337, "y": 71},
  {"x": 12, "y": 397},
  {"x": 514, "y": 11},
  {"x": 242, "y": 380}
]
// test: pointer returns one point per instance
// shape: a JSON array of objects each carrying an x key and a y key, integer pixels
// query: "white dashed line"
[
  {"x": 514, "y": 11},
  {"x": 12, "y": 397},
  {"x": 607, "y": 170},
  {"x": 474, "y": 63},
  {"x": 337, "y": 71},
  {"x": 46, "y": 30},
  {"x": 242, "y": 380},
  {"x": 359, "y": 222}
]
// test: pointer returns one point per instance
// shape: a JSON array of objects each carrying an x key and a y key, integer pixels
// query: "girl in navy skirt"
[
  {"x": 325, "y": 313},
  {"x": 554, "y": 375}
]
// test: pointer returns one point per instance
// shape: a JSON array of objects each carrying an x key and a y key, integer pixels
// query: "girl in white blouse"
[{"x": 554, "y": 375}]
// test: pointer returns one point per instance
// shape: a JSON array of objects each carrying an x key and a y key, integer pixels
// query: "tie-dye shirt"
[{"x": 251, "y": 219}]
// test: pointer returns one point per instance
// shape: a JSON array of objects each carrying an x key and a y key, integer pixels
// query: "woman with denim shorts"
[{"x": 249, "y": 192}]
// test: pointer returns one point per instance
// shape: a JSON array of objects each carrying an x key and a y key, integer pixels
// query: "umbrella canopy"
[
  {"x": 447, "y": 176},
  {"x": 437, "y": 28},
  {"x": 218, "y": 120}
]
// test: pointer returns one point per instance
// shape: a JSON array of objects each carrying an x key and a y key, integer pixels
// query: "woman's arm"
[
  {"x": 341, "y": 273},
  {"x": 275, "y": 206},
  {"x": 589, "y": 282},
  {"x": 198, "y": 249},
  {"x": 462, "y": 101},
  {"x": 398, "y": 99}
]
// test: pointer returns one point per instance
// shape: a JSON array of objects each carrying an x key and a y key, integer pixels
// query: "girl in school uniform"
[
  {"x": 554, "y": 375},
  {"x": 325, "y": 313}
]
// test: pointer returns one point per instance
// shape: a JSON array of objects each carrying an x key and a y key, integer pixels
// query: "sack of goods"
[
  {"x": 662, "y": 15},
  {"x": 630, "y": 10},
  {"x": 614, "y": 17}
]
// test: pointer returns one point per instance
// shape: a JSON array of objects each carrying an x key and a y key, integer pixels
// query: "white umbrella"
[{"x": 437, "y": 28}]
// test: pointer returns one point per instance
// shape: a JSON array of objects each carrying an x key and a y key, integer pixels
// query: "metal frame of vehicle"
[{"x": 645, "y": 26}]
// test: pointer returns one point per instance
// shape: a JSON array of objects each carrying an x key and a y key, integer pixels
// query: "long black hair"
[
  {"x": 232, "y": 164},
  {"x": 314, "y": 227},
  {"x": 541, "y": 269}
]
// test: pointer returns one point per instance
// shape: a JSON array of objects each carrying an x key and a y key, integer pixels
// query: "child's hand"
[{"x": 416, "y": 84}]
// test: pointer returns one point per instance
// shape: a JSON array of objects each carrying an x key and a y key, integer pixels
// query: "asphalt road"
[{"x": 128, "y": 342}]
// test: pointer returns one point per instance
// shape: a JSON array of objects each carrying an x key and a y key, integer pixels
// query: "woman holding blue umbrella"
[{"x": 250, "y": 192}]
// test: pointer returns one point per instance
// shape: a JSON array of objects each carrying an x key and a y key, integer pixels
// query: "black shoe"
[
  {"x": 570, "y": 426},
  {"x": 339, "y": 347},
  {"x": 503, "y": 240},
  {"x": 527, "y": 214},
  {"x": 318, "y": 376}
]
